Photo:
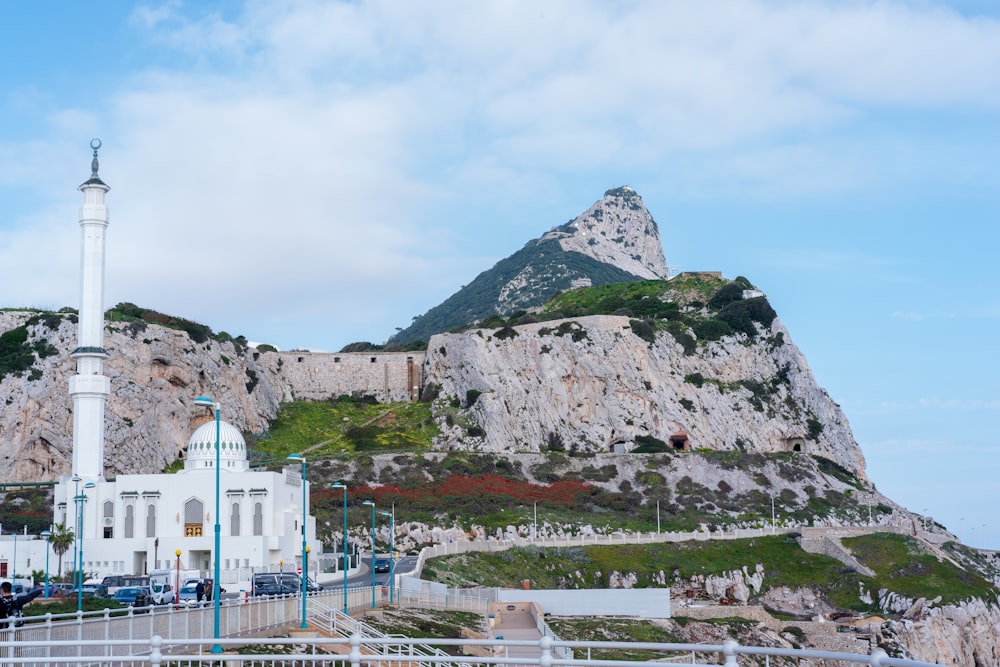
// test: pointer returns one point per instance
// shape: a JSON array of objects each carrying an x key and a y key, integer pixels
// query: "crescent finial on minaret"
[{"x": 95, "y": 144}]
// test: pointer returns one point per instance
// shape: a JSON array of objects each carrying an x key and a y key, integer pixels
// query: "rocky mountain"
[
  {"x": 615, "y": 240},
  {"x": 633, "y": 364}
]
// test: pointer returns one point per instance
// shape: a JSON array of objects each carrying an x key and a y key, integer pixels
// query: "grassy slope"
[
  {"x": 900, "y": 563},
  {"x": 331, "y": 428}
]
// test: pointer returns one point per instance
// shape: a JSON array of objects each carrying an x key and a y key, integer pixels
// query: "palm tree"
[{"x": 62, "y": 539}]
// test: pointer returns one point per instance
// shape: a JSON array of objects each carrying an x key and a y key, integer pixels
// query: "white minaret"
[{"x": 89, "y": 388}]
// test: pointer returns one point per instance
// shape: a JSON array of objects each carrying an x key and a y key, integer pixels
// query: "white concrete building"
[{"x": 137, "y": 523}]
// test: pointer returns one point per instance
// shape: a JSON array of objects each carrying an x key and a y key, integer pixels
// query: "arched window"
[
  {"x": 129, "y": 520},
  {"x": 258, "y": 518},
  {"x": 109, "y": 519},
  {"x": 151, "y": 520},
  {"x": 194, "y": 518},
  {"x": 234, "y": 521}
]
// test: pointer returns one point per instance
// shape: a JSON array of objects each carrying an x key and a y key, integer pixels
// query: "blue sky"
[{"x": 311, "y": 174}]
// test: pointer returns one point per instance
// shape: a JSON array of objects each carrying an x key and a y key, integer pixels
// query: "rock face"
[
  {"x": 155, "y": 375},
  {"x": 594, "y": 384},
  {"x": 963, "y": 634},
  {"x": 616, "y": 230}
]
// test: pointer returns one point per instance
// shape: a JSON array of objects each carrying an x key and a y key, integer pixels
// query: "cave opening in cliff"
[{"x": 679, "y": 441}]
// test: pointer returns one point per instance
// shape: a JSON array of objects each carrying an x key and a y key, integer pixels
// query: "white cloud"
[{"x": 304, "y": 152}]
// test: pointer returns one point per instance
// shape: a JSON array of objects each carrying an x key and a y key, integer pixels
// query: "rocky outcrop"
[
  {"x": 616, "y": 230},
  {"x": 593, "y": 383},
  {"x": 963, "y": 635},
  {"x": 156, "y": 373}
]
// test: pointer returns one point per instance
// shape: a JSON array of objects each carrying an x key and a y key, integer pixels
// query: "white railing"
[
  {"x": 336, "y": 623},
  {"x": 395, "y": 651},
  {"x": 239, "y": 616},
  {"x": 450, "y": 600}
]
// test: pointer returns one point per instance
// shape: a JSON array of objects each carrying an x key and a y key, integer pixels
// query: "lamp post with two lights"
[{"x": 208, "y": 402}]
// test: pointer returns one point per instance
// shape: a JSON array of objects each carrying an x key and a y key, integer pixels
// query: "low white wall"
[{"x": 641, "y": 602}]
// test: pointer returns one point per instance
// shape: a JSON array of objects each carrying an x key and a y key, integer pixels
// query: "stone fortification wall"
[{"x": 388, "y": 376}]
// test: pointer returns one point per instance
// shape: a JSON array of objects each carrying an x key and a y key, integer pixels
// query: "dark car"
[
  {"x": 132, "y": 596},
  {"x": 381, "y": 564},
  {"x": 274, "y": 588},
  {"x": 96, "y": 590}
]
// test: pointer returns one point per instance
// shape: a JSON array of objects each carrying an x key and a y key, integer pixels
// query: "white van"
[{"x": 161, "y": 586}]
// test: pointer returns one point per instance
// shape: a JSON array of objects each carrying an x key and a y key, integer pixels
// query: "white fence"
[{"x": 395, "y": 651}]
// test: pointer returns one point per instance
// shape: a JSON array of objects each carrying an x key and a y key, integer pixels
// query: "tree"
[{"x": 62, "y": 539}]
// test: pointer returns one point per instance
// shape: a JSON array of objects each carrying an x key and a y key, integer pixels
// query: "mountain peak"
[
  {"x": 616, "y": 230},
  {"x": 615, "y": 240}
]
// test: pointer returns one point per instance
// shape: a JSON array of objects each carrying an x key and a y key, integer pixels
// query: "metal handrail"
[{"x": 156, "y": 651}]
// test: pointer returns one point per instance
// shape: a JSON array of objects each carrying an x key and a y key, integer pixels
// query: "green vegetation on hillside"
[
  {"x": 553, "y": 269},
  {"x": 18, "y": 354},
  {"x": 691, "y": 307},
  {"x": 903, "y": 565},
  {"x": 615, "y": 630},
  {"x": 900, "y": 563},
  {"x": 347, "y": 424}
]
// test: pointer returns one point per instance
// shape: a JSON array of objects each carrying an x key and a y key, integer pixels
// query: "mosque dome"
[{"x": 201, "y": 448}]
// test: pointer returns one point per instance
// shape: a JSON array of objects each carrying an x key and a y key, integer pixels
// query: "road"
[{"x": 403, "y": 565}]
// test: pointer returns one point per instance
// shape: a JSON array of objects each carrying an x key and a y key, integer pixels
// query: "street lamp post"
[
  {"x": 299, "y": 457},
  {"x": 372, "y": 503},
  {"x": 392, "y": 554},
  {"x": 13, "y": 576},
  {"x": 76, "y": 479},
  {"x": 344, "y": 540},
  {"x": 205, "y": 400},
  {"x": 83, "y": 506},
  {"x": 177, "y": 575},
  {"x": 47, "y": 535}
]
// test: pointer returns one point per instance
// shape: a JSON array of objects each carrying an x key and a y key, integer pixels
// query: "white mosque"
[{"x": 134, "y": 524}]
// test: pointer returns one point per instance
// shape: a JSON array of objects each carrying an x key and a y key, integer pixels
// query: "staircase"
[{"x": 332, "y": 622}]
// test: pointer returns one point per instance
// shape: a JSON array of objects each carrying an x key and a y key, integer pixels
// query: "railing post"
[
  {"x": 729, "y": 650},
  {"x": 545, "y": 644},
  {"x": 355, "y": 654},
  {"x": 877, "y": 656},
  {"x": 155, "y": 656}
]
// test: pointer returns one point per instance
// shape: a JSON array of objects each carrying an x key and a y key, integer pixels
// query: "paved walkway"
[{"x": 518, "y": 624}]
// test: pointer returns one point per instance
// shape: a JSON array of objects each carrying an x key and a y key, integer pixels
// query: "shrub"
[
  {"x": 471, "y": 396},
  {"x": 741, "y": 315},
  {"x": 649, "y": 445},
  {"x": 697, "y": 379},
  {"x": 643, "y": 330},
  {"x": 554, "y": 441},
  {"x": 710, "y": 329},
  {"x": 726, "y": 295},
  {"x": 505, "y": 333}
]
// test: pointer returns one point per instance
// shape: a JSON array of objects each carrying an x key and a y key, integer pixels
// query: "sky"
[{"x": 315, "y": 173}]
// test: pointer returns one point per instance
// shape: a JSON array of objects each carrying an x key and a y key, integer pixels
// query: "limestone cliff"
[
  {"x": 961, "y": 634},
  {"x": 156, "y": 372},
  {"x": 593, "y": 383}
]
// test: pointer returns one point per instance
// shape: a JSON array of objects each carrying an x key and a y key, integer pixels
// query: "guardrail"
[
  {"x": 238, "y": 616},
  {"x": 393, "y": 651}
]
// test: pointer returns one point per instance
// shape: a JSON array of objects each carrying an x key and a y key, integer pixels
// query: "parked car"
[
  {"x": 188, "y": 595},
  {"x": 60, "y": 590},
  {"x": 381, "y": 564},
  {"x": 133, "y": 596},
  {"x": 275, "y": 583},
  {"x": 96, "y": 590},
  {"x": 275, "y": 588}
]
